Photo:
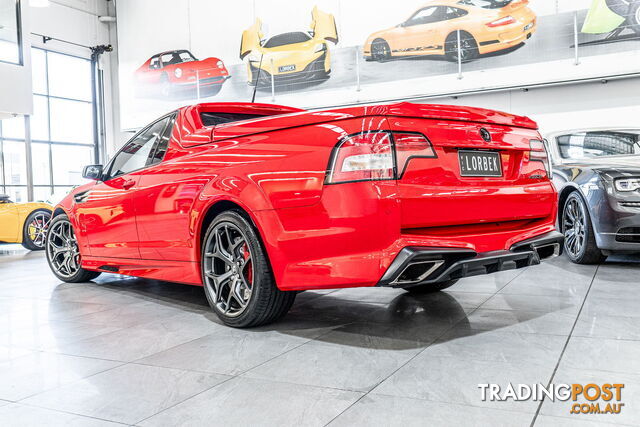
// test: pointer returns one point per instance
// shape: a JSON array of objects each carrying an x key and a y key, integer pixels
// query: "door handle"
[{"x": 128, "y": 184}]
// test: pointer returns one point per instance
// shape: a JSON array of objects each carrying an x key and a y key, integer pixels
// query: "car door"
[
  {"x": 419, "y": 33},
  {"x": 9, "y": 227},
  {"x": 163, "y": 205},
  {"x": 106, "y": 211}
]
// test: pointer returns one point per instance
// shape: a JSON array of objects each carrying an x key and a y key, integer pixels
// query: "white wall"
[
  {"x": 612, "y": 104},
  {"x": 15, "y": 80}
]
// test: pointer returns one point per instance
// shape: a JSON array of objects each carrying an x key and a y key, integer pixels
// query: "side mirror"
[{"x": 93, "y": 172}]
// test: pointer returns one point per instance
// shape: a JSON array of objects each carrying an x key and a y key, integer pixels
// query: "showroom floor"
[{"x": 142, "y": 352}]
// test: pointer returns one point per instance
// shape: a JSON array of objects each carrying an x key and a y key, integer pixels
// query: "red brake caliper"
[{"x": 249, "y": 269}]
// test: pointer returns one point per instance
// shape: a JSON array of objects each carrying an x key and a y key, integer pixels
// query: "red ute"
[
  {"x": 255, "y": 202},
  {"x": 170, "y": 73}
]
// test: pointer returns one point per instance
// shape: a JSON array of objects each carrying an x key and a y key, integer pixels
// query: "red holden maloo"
[{"x": 258, "y": 202}]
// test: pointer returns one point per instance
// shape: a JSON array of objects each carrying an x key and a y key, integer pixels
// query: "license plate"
[
  {"x": 479, "y": 163},
  {"x": 286, "y": 68}
]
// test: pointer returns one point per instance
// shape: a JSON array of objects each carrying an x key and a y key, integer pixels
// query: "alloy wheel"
[
  {"x": 574, "y": 226},
  {"x": 62, "y": 248},
  {"x": 380, "y": 51},
  {"x": 228, "y": 269},
  {"x": 37, "y": 229}
]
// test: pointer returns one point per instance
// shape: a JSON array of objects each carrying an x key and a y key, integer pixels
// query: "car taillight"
[
  {"x": 410, "y": 145},
  {"x": 376, "y": 156},
  {"x": 507, "y": 20},
  {"x": 538, "y": 153},
  {"x": 363, "y": 157}
]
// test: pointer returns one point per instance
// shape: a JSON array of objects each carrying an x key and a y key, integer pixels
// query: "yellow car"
[
  {"x": 290, "y": 57},
  {"x": 24, "y": 223},
  {"x": 484, "y": 26}
]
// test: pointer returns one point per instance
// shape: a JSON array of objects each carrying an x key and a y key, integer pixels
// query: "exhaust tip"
[
  {"x": 418, "y": 271},
  {"x": 548, "y": 251}
]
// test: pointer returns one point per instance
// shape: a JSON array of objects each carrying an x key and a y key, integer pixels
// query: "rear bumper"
[{"x": 418, "y": 266}]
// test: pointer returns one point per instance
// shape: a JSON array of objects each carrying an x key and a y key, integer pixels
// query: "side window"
[
  {"x": 163, "y": 142},
  {"x": 137, "y": 152},
  {"x": 427, "y": 15},
  {"x": 155, "y": 63},
  {"x": 454, "y": 12}
]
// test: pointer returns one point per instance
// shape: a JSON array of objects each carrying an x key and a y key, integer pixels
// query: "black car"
[{"x": 597, "y": 174}]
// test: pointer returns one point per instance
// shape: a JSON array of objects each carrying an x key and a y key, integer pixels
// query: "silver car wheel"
[
  {"x": 228, "y": 269},
  {"x": 62, "y": 249},
  {"x": 574, "y": 226}
]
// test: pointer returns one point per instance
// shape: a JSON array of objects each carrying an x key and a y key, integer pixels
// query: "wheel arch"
[{"x": 562, "y": 201}]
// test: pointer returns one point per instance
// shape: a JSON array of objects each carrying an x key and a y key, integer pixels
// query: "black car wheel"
[
  {"x": 380, "y": 50},
  {"x": 34, "y": 232},
  {"x": 63, "y": 253},
  {"x": 430, "y": 288},
  {"x": 580, "y": 243},
  {"x": 237, "y": 277},
  {"x": 468, "y": 47}
]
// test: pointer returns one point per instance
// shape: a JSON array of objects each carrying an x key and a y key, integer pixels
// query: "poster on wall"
[{"x": 320, "y": 53}]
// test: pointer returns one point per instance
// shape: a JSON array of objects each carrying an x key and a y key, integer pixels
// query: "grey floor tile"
[
  {"x": 616, "y": 327},
  {"x": 630, "y": 396},
  {"x": 52, "y": 334},
  {"x": 17, "y": 415},
  {"x": 38, "y": 372},
  {"x": 226, "y": 352},
  {"x": 136, "y": 342},
  {"x": 576, "y": 421},
  {"x": 499, "y": 346},
  {"x": 378, "y": 410},
  {"x": 543, "y": 303},
  {"x": 126, "y": 394},
  {"x": 451, "y": 380},
  {"x": 530, "y": 322},
  {"x": 251, "y": 402},
  {"x": 602, "y": 354},
  {"x": 623, "y": 306},
  {"x": 557, "y": 278},
  {"x": 488, "y": 284},
  {"x": 357, "y": 364},
  {"x": 9, "y": 353}
]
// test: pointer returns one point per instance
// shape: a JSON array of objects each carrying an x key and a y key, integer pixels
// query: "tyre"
[
  {"x": 63, "y": 254},
  {"x": 580, "y": 241},
  {"x": 237, "y": 276},
  {"x": 468, "y": 47},
  {"x": 380, "y": 50},
  {"x": 34, "y": 231},
  {"x": 634, "y": 17},
  {"x": 430, "y": 288}
]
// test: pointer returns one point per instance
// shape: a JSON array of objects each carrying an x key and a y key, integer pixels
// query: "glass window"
[
  {"x": 41, "y": 194},
  {"x": 427, "y": 15},
  {"x": 41, "y": 166},
  {"x": 136, "y": 153},
  {"x": 68, "y": 162},
  {"x": 13, "y": 128},
  {"x": 15, "y": 163},
  {"x": 39, "y": 70},
  {"x": 598, "y": 144},
  {"x": 69, "y": 77},
  {"x": 162, "y": 145},
  {"x": 40, "y": 119},
  {"x": 71, "y": 121},
  {"x": 17, "y": 194},
  {"x": 10, "y": 38}
]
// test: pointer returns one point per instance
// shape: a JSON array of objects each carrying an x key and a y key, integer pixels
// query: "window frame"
[
  {"x": 19, "y": 36},
  {"x": 106, "y": 175}
]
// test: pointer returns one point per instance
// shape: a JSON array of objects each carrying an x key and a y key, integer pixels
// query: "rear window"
[
  {"x": 215, "y": 119},
  {"x": 486, "y": 4},
  {"x": 287, "y": 38},
  {"x": 587, "y": 145}
]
